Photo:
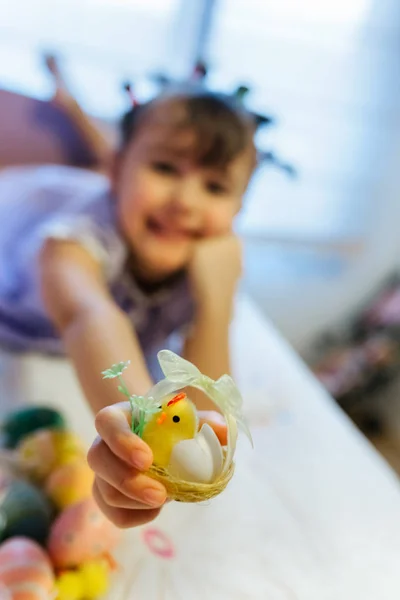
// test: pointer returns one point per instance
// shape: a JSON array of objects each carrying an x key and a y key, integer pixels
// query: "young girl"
[{"x": 107, "y": 269}]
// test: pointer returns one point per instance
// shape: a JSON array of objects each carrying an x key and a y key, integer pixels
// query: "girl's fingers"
[
  {"x": 113, "y": 426},
  {"x": 112, "y": 497},
  {"x": 122, "y": 517},
  {"x": 125, "y": 479}
]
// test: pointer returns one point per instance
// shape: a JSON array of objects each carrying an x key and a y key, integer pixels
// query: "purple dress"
[{"x": 38, "y": 203}]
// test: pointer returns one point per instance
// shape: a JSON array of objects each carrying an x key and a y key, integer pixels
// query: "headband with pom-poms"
[
  {"x": 161, "y": 80},
  {"x": 128, "y": 89},
  {"x": 266, "y": 157},
  {"x": 241, "y": 93},
  {"x": 198, "y": 77},
  {"x": 199, "y": 72},
  {"x": 129, "y": 117}
]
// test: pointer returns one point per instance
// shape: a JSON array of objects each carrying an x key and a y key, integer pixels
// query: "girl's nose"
[{"x": 185, "y": 196}]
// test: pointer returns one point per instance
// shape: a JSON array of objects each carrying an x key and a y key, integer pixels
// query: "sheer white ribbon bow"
[{"x": 180, "y": 373}]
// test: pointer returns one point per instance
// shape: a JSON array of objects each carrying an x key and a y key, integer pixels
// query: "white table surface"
[{"x": 313, "y": 513}]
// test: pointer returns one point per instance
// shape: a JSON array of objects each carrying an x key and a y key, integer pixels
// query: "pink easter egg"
[
  {"x": 81, "y": 533},
  {"x": 5, "y": 593},
  {"x": 25, "y": 570}
]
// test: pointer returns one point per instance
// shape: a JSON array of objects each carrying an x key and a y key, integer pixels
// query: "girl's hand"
[
  {"x": 119, "y": 459},
  {"x": 215, "y": 270}
]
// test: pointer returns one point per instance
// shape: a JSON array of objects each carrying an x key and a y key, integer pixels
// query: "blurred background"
[{"x": 320, "y": 246}]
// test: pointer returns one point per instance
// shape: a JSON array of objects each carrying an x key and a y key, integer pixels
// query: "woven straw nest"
[
  {"x": 186, "y": 491},
  {"x": 180, "y": 374}
]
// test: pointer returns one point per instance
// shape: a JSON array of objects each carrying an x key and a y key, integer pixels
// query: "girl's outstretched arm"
[
  {"x": 95, "y": 332},
  {"x": 96, "y": 335}
]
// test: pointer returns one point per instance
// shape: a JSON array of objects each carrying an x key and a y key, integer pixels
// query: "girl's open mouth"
[{"x": 167, "y": 230}]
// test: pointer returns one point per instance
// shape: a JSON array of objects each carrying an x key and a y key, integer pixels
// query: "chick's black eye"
[
  {"x": 176, "y": 419},
  {"x": 164, "y": 167}
]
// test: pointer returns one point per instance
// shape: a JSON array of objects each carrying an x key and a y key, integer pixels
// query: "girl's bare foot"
[{"x": 62, "y": 96}]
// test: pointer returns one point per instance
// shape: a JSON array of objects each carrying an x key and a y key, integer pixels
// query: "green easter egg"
[
  {"x": 24, "y": 421},
  {"x": 25, "y": 511}
]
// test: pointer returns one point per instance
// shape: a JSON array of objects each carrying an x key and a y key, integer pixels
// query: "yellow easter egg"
[
  {"x": 37, "y": 453},
  {"x": 95, "y": 578},
  {"x": 68, "y": 447},
  {"x": 42, "y": 451},
  {"x": 70, "y": 483},
  {"x": 69, "y": 586}
]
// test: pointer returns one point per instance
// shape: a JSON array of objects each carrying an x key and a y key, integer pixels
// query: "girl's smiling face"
[{"x": 168, "y": 198}]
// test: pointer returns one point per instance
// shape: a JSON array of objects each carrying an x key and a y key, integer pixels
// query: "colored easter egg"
[
  {"x": 36, "y": 453},
  {"x": 5, "y": 593},
  {"x": 25, "y": 511},
  {"x": 81, "y": 533},
  {"x": 68, "y": 447},
  {"x": 42, "y": 451},
  {"x": 25, "y": 570},
  {"x": 70, "y": 483},
  {"x": 23, "y": 421}
]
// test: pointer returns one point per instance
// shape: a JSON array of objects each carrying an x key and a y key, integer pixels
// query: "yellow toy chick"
[
  {"x": 176, "y": 422},
  {"x": 90, "y": 581}
]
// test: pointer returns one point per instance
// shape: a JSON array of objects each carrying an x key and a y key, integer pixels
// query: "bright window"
[
  {"x": 308, "y": 62},
  {"x": 103, "y": 42}
]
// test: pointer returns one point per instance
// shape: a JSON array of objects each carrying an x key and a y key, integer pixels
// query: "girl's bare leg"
[{"x": 97, "y": 141}]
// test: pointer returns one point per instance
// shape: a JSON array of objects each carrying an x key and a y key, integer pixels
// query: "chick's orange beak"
[{"x": 161, "y": 418}]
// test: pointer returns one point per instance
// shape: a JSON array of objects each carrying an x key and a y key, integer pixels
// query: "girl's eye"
[
  {"x": 216, "y": 188},
  {"x": 165, "y": 168}
]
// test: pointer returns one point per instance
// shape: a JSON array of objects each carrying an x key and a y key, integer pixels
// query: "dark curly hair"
[{"x": 222, "y": 127}]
